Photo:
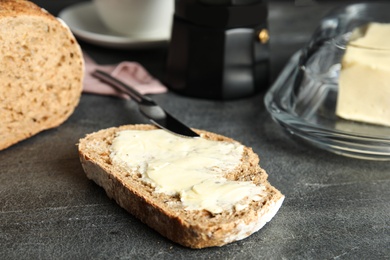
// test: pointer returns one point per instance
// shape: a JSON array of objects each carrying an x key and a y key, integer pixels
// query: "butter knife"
[{"x": 147, "y": 106}]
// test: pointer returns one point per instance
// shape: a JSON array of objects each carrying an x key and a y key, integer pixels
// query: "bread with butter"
[
  {"x": 41, "y": 71},
  {"x": 164, "y": 212}
]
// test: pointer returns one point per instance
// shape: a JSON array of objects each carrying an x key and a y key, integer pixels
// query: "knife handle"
[{"x": 122, "y": 87}]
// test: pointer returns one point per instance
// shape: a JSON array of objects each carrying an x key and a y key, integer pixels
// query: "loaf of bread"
[
  {"x": 41, "y": 71},
  {"x": 167, "y": 212}
]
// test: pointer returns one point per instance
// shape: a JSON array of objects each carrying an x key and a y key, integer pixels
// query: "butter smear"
[{"x": 192, "y": 168}]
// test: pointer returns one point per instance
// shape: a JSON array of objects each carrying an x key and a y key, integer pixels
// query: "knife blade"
[{"x": 148, "y": 107}]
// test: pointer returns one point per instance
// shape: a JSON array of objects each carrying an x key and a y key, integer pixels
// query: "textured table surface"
[{"x": 335, "y": 207}]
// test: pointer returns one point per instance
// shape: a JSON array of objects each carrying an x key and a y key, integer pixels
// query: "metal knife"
[{"x": 147, "y": 106}]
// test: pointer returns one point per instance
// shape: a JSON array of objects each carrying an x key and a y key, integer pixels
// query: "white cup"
[{"x": 136, "y": 17}]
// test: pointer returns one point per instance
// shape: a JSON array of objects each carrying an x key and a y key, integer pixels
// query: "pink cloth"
[{"x": 131, "y": 73}]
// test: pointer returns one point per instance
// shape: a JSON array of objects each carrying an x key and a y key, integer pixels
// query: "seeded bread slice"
[
  {"x": 166, "y": 214},
  {"x": 41, "y": 71}
]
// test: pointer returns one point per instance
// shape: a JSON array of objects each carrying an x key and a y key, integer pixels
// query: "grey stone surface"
[{"x": 335, "y": 207}]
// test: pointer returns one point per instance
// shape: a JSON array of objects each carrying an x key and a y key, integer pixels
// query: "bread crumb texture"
[
  {"x": 41, "y": 71},
  {"x": 165, "y": 213}
]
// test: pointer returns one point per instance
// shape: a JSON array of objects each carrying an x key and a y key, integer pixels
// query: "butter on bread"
[
  {"x": 41, "y": 71},
  {"x": 164, "y": 212}
]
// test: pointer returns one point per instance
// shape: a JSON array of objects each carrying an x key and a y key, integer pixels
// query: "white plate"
[{"x": 84, "y": 22}]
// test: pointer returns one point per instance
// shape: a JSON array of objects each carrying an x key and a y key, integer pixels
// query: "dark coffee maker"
[{"x": 218, "y": 49}]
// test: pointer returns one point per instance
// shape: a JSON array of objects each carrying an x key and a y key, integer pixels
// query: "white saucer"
[{"x": 84, "y": 22}]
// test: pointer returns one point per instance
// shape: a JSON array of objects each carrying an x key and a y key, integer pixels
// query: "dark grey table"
[{"x": 335, "y": 207}]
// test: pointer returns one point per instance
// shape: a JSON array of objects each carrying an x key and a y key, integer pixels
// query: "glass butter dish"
[{"x": 303, "y": 99}]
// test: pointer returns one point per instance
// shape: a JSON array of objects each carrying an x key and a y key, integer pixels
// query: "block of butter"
[{"x": 364, "y": 81}]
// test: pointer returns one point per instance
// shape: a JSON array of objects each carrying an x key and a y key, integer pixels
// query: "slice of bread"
[
  {"x": 165, "y": 213},
  {"x": 41, "y": 71}
]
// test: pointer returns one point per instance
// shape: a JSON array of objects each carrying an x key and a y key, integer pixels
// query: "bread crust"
[
  {"x": 194, "y": 229},
  {"x": 41, "y": 71}
]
